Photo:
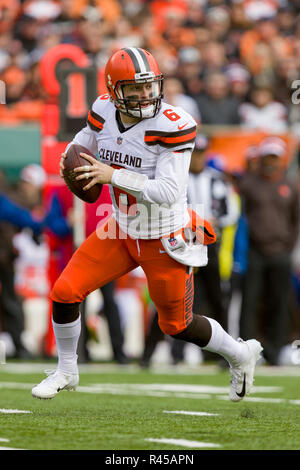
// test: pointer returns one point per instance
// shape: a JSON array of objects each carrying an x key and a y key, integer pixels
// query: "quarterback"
[{"x": 144, "y": 148}]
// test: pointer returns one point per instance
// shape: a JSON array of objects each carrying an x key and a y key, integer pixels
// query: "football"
[{"x": 74, "y": 160}]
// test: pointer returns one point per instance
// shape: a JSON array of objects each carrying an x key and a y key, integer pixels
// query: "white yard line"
[
  {"x": 3, "y": 439},
  {"x": 258, "y": 399},
  {"x": 185, "y": 369},
  {"x": 174, "y": 388},
  {"x": 10, "y": 448},
  {"x": 8, "y": 411},
  {"x": 190, "y": 413},
  {"x": 183, "y": 443},
  {"x": 17, "y": 385},
  {"x": 162, "y": 390}
]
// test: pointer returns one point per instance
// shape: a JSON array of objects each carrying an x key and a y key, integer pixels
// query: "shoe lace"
[{"x": 50, "y": 374}]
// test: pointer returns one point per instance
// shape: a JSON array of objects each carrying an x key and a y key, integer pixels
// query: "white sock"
[
  {"x": 67, "y": 336},
  {"x": 222, "y": 343}
]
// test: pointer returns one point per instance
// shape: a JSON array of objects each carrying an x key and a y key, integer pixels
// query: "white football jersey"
[{"x": 159, "y": 148}]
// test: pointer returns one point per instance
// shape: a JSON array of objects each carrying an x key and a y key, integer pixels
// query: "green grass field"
[{"x": 121, "y": 408}]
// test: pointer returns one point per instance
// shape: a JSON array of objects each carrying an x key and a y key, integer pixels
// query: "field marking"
[
  {"x": 129, "y": 389},
  {"x": 176, "y": 390},
  {"x": 18, "y": 385},
  {"x": 10, "y": 448},
  {"x": 183, "y": 442},
  {"x": 261, "y": 399},
  {"x": 191, "y": 413},
  {"x": 181, "y": 388},
  {"x": 8, "y": 411},
  {"x": 156, "y": 369},
  {"x": 3, "y": 439},
  {"x": 28, "y": 367}
]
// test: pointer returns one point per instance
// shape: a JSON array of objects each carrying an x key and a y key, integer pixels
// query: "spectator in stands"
[
  {"x": 215, "y": 104},
  {"x": 218, "y": 22},
  {"x": 286, "y": 72},
  {"x": 271, "y": 205},
  {"x": 15, "y": 81},
  {"x": 263, "y": 112},
  {"x": 259, "y": 44},
  {"x": 241, "y": 247},
  {"x": 31, "y": 181},
  {"x": 239, "y": 81},
  {"x": 252, "y": 160},
  {"x": 261, "y": 36},
  {"x": 18, "y": 106},
  {"x": 190, "y": 69},
  {"x": 12, "y": 218},
  {"x": 286, "y": 18},
  {"x": 214, "y": 57},
  {"x": 174, "y": 94}
]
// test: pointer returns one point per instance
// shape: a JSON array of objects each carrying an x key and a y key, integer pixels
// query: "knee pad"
[
  {"x": 170, "y": 329},
  {"x": 63, "y": 292}
]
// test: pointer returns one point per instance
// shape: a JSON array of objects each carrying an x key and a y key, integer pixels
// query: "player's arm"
[
  {"x": 170, "y": 179},
  {"x": 87, "y": 136},
  {"x": 18, "y": 216}
]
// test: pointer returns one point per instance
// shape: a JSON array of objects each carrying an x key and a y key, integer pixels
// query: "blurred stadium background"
[{"x": 233, "y": 65}]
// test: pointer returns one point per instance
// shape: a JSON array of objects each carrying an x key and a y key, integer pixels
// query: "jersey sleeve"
[
  {"x": 95, "y": 120},
  {"x": 170, "y": 180},
  {"x": 94, "y": 124},
  {"x": 173, "y": 130}
]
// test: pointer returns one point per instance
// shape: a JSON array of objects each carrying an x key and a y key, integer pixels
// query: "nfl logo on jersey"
[
  {"x": 119, "y": 140},
  {"x": 172, "y": 241}
]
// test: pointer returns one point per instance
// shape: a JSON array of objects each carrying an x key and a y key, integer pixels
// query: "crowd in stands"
[{"x": 236, "y": 59}]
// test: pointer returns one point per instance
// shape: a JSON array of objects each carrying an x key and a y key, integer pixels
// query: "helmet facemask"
[{"x": 131, "y": 105}]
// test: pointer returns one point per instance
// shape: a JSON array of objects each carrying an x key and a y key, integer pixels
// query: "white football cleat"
[
  {"x": 54, "y": 383},
  {"x": 242, "y": 375}
]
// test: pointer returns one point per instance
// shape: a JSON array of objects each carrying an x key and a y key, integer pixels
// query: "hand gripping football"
[{"x": 74, "y": 160}]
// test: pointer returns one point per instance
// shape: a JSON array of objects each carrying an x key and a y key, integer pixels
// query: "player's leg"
[
  {"x": 171, "y": 289},
  {"x": 97, "y": 262}
]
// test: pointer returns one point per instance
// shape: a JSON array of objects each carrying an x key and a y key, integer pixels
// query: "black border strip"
[{"x": 134, "y": 60}]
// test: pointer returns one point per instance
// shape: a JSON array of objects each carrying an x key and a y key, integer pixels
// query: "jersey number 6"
[{"x": 170, "y": 114}]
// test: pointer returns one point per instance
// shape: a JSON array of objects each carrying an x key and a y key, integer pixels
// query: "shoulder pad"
[
  {"x": 97, "y": 113},
  {"x": 172, "y": 128}
]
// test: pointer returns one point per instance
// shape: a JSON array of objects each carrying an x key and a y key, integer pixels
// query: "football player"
[{"x": 145, "y": 148}]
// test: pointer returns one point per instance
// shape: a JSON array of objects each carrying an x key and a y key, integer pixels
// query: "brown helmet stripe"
[
  {"x": 134, "y": 60},
  {"x": 139, "y": 59}
]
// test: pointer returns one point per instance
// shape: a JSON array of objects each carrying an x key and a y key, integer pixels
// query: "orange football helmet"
[{"x": 131, "y": 66}]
